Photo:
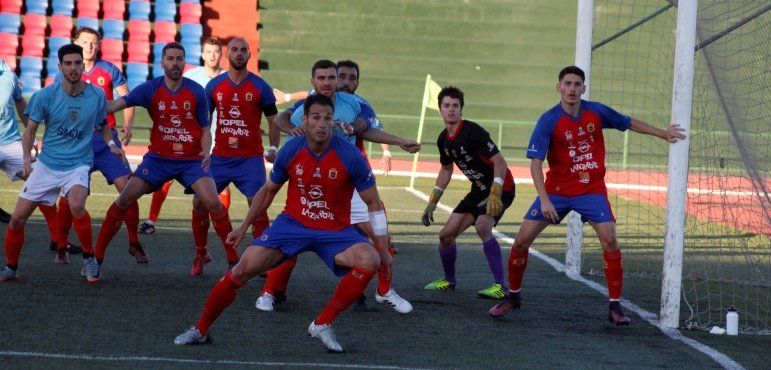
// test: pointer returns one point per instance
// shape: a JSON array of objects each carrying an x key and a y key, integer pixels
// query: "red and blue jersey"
[
  {"x": 239, "y": 112},
  {"x": 575, "y": 147},
  {"x": 178, "y": 117},
  {"x": 321, "y": 187},
  {"x": 105, "y": 76}
]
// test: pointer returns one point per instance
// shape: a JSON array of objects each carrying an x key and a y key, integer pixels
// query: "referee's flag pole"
[{"x": 423, "y": 106}]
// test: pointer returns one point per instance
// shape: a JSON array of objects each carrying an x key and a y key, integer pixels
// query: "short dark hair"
[
  {"x": 82, "y": 30},
  {"x": 350, "y": 64},
  {"x": 572, "y": 70},
  {"x": 452, "y": 92},
  {"x": 322, "y": 64},
  {"x": 172, "y": 45},
  {"x": 70, "y": 49},
  {"x": 212, "y": 41},
  {"x": 319, "y": 99}
]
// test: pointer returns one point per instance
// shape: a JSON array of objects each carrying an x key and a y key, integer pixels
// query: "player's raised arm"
[{"x": 262, "y": 200}]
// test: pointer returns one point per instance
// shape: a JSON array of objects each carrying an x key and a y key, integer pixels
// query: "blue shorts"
[
  {"x": 246, "y": 173},
  {"x": 592, "y": 207},
  {"x": 293, "y": 238},
  {"x": 157, "y": 171},
  {"x": 109, "y": 164}
]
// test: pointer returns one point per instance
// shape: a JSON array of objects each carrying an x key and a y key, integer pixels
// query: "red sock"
[
  {"x": 225, "y": 198},
  {"x": 14, "y": 240},
  {"x": 259, "y": 224},
  {"x": 383, "y": 279},
  {"x": 49, "y": 213},
  {"x": 351, "y": 287},
  {"x": 278, "y": 277},
  {"x": 84, "y": 233},
  {"x": 223, "y": 227},
  {"x": 614, "y": 273},
  {"x": 200, "y": 225},
  {"x": 64, "y": 221},
  {"x": 221, "y": 296},
  {"x": 111, "y": 224},
  {"x": 132, "y": 223},
  {"x": 158, "y": 197},
  {"x": 517, "y": 266}
]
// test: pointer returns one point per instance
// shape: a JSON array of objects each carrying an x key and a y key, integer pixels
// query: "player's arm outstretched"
[
  {"x": 377, "y": 219},
  {"x": 382, "y": 137},
  {"x": 673, "y": 133},
  {"x": 262, "y": 200},
  {"x": 116, "y": 105},
  {"x": 442, "y": 180}
]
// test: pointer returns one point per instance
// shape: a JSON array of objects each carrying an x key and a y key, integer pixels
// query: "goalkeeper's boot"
[
  {"x": 398, "y": 303},
  {"x": 616, "y": 314},
  {"x": 495, "y": 291},
  {"x": 138, "y": 251},
  {"x": 191, "y": 336},
  {"x": 440, "y": 284},
  {"x": 325, "y": 334},
  {"x": 511, "y": 302},
  {"x": 7, "y": 274}
]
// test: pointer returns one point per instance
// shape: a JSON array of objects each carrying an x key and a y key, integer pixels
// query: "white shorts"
[
  {"x": 359, "y": 210},
  {"x": 44, "y": 184},
  {"x": 12, "y": 159}
]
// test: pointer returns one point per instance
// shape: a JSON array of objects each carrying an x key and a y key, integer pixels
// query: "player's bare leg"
[
  {"x": 528, "y": 232},
  {"x": 206, "y": 193},
  {"x": 614, "y": 272},
  {"x": 134, "y": 189},
  {"x": 448, "y": 251},
  {"x": 14, "y": 238}
]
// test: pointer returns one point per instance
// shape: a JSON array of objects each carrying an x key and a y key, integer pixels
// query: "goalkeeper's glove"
[
  {"x": 428, "y": 213},
  {"x": 494, "y": 203}
]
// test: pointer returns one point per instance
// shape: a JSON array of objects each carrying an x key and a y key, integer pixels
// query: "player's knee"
[
  {"x": 17, "y": 222},
  {"x": 609, "y": 244},
  {"x": 521, "y": 243},
  {"x": 78, "y": 210},
  {"x": 484, "y": 227},
  {"x": 213, "y": 205},
  {"x": 446, "y": 237},
  {"x": 369, "y": 260}
]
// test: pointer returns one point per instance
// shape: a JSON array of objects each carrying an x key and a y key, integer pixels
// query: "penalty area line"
[
  {"x": 724, "y": 361},
  {"x": 190, "y": 360}
]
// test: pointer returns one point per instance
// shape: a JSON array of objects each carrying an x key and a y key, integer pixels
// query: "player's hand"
[
  {"x": 297, "y": 131},
  {"x": 280, "y": 96},
  {"x": 494, "y": 203},
  {"x": 386, "y": 261},
  {"x": 428, "y": 214},
  {"x": 236, "y": 236},
  {"x": 27, "y": 169},
  {"x": 675, "y": 133},
  {"x": 345, "y": 127},
  {"x": 548, "y": 211},
  {"x": 270, "y": 154},
  {"x": 206, "y": 162},
  {"x": 126, "y": 131},
  {"x": 410, "y": 146},
  {"x": 385, "y": 164},
  {"x": 120, "y": 153}
]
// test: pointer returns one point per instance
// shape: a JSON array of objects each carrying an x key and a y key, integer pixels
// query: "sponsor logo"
[
  {"x": 175, "y": 121},
  {"x": 568, "y": 135},
  {"x": 534, "y": 212},
  {"x": 234, "y": 112},
  {"x": 316, "y": 192},
  {"x": 70, "y": 133},
  {"x": 161, "y": 105},
  {"x": 584, "y": 146},
  {"x": 264, "y": 237},
  {"x": 219, "y": 96},
  {"x": 298, "y": 170},
  {"x": 532, "y": 148}
]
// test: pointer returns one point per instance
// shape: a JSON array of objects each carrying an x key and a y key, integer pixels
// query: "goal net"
[{"x": 727, "y": 255}]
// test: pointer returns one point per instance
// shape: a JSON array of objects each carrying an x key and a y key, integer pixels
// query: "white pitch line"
[
  {"x": 724, "y": 361},
  {"x": 192, "y": 361}
]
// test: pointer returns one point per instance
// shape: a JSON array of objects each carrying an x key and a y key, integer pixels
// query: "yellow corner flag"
[
  {"x": 430, "y": 95},
  {"x": 433, "y": 93}
]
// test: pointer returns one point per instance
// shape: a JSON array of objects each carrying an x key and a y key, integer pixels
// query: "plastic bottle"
[{"x": 732, "y": 321}]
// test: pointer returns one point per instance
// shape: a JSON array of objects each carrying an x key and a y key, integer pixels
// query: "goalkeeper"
[{"x": 469, "y": 146}]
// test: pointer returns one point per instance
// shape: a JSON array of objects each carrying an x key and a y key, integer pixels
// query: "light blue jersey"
[
  {"x": 69, "y": 121},
  {"x": 198, "y": 74},
  {"x": 9, "y": 93},
  {"x": 347, "y": 108}
]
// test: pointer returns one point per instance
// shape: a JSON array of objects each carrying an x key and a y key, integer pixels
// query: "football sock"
[
  {"x": 494, "y": 260},
  {"x": 383, "y": 279},
  {"x": 111, "y": 224},
  {"x": 259, "y": 224},
  {"x": 132, "y": 223},
  {"x": 614, "y": 273},
  {"x": 225, "y": 198},
  {"x": 448, "y": 256},
  {"x": 14, "y": 240},
  {"x": 223, "y": 227},
  {"x": 83, "y": 231},
  {"x": 351, "y": 287},
  {"x": 200, "y": 225},
  {"x": 49, "y": 213},
  {"x": 517, "y": 266},
  {"x": 278, "y": 277},
  {"x": 221, "y": 296},
  {"x": 159, "y": 196},
  {"x": 64, "y": 221}
]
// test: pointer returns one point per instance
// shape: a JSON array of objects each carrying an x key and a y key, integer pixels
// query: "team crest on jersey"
[
  {"x": 161, "y": 105},
  {"x": 219, "y": 96},
  {"x": 317, "y": 173},
  {"x": 73, "y": 115},
  {"x": 333, "y": 173},
  {"x": 568, "y": 135},
  {"x": 590, "y": 127},
  {"x": 298, "y": 170},
  {"x": 186, "y": 105},
  {"x": 249, "y": 96},
  {"x": 174, "y": 105},
  {"x": 235, "y": 97},
  {"x": 100, "y": 81}
]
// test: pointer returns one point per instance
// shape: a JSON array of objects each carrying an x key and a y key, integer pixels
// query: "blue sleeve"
[
  {"x": 36, "y": 109},
  {"x": 57, "y": 77},
  {"x": 278, "y": 174},
  {"x": 16, "y": 89},
  {"x": 297, "y": 114},
  {"x": 209, "y": 91},
  {"x": 357, "y": 168},
  {"x": 297, "y": 105},
  {"x": 368, "y": 115},
  {"x": 611, "y": 118},
  {"x": 540, "y": 140},
  {"x": 101, "y": 116},
  {"x": 202, "y": 112},
  {"x": 141, "y": 95},
  {"x": 117, "y": 77},
  {"x": 266, "y": 94}
]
